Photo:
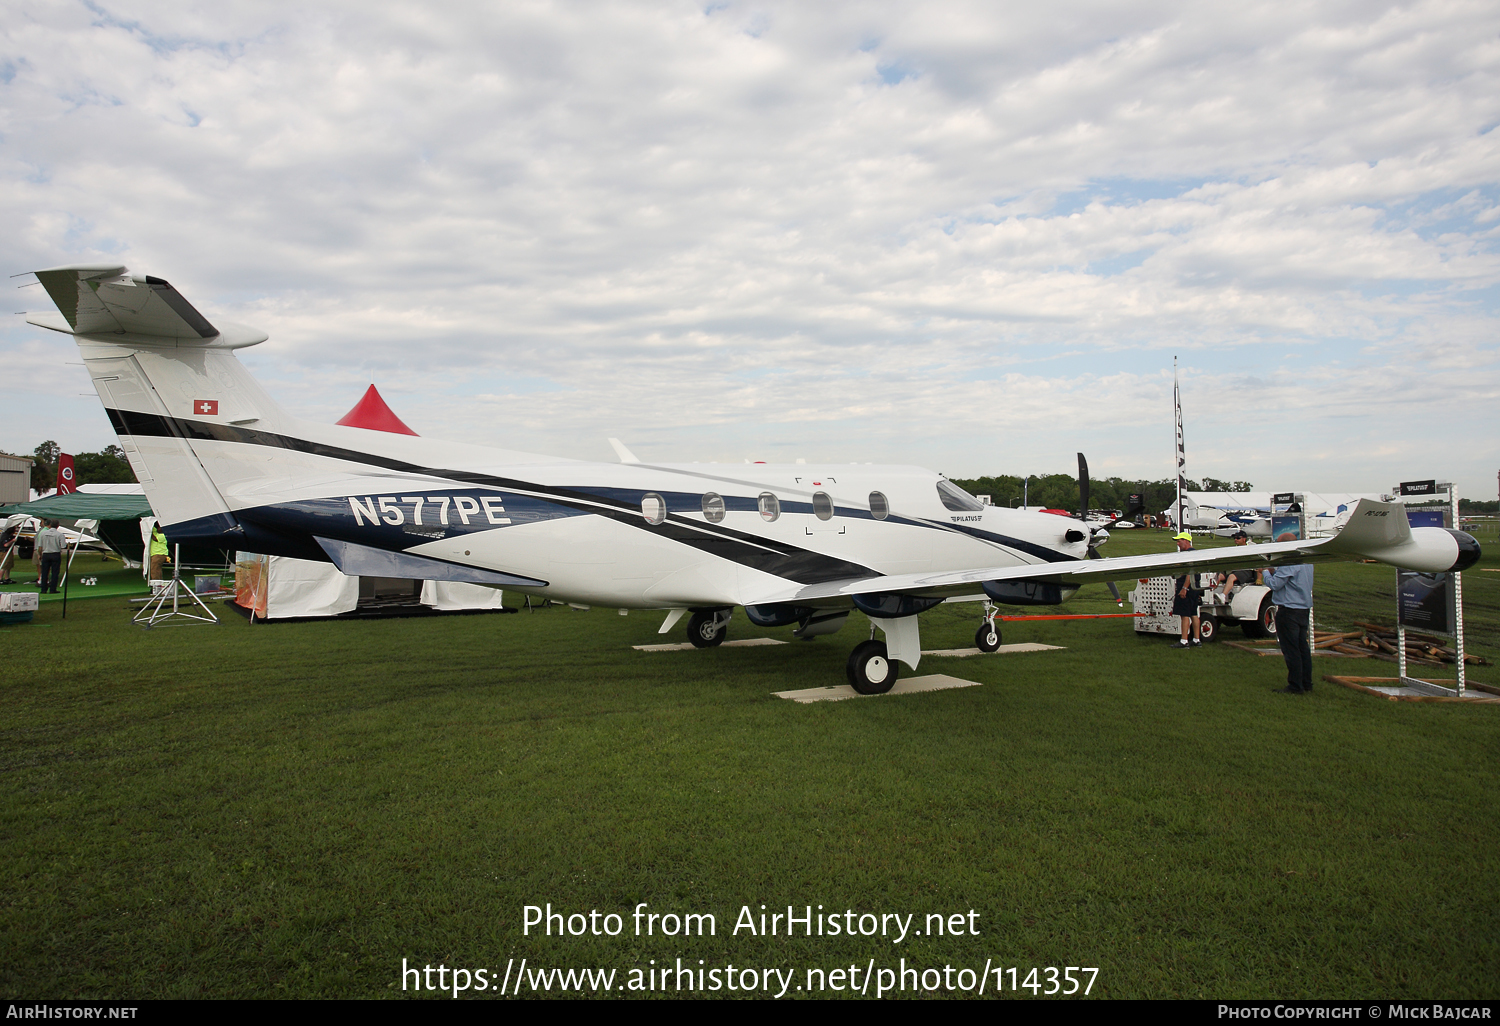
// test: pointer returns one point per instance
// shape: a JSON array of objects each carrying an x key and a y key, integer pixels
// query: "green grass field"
[
  {"x": 291, "y": 810},
  {"x": 109, "y": 577}
]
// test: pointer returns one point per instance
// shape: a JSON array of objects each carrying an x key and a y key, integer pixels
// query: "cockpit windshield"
[{"x": 958, "y": 500}]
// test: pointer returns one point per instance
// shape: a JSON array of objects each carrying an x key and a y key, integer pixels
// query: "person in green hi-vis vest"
[{"x": 159, "y": 556}]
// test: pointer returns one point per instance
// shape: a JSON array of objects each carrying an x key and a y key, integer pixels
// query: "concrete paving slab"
[
  {"x": 907, "y": 686},
  {"x": 688, "y": 646},
  {"x": 964, "y": 653}
]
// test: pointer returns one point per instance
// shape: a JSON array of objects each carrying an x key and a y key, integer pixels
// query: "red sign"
[{"x": 206, "y": 407}]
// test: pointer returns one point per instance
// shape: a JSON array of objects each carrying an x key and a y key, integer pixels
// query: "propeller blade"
[{"x": 1083, "y": 487}]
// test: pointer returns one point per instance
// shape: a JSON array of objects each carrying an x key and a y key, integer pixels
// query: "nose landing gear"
[{"x": 987, "y": 638}]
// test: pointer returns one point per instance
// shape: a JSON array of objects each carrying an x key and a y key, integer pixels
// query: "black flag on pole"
[{"x": 1181, "y": 452}]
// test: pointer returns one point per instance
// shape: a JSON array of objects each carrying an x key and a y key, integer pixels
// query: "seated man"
[{"x": 1238, "y": 576}]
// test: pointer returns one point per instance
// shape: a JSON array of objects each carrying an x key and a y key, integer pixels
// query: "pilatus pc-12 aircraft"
[{"x": 800, "y": 545}]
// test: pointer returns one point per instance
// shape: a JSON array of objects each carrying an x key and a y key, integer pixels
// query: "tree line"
[
  {"x": 1060, "y": 491},
  {"x": 1047, "y": 491},
  {"x": 107, "y": 466}
]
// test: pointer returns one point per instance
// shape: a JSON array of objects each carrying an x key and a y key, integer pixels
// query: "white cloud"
[{"x": 954, "y": 235}]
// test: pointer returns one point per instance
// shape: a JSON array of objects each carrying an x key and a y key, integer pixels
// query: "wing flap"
[{"x": 1093, "y": 571}]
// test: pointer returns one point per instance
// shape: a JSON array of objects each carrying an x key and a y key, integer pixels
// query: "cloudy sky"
[{"x": 968, "y": 236}]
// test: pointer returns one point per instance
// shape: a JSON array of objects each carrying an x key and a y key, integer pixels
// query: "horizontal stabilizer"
[
  {"x": 106, "y": 300},
  {"x": 366, "y": 561}
]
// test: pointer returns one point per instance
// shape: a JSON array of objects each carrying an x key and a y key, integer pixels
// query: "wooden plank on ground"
[{"x": 1362, "y": 684}]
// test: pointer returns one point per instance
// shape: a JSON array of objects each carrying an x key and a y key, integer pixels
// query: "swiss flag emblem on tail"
[{"x": 206, "y": 407}]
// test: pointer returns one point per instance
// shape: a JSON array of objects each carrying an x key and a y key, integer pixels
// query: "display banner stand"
[
  {"x": 1431, "y": 603},
  {"x": 155, "y": 610}
]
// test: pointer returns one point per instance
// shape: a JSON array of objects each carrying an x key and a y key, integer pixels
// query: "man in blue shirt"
[{"x": 1291, "y": 590}]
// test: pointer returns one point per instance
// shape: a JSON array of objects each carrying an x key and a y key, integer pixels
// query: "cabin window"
[
  {"x": 713, "y": 507},
  {"x": 822, "y": 506},
  {"x": 958, "y": 500},
  {"x": 653, "y": 508},
  {"x": 770, "y": 507},
  {"x": 880, "y": 508}
]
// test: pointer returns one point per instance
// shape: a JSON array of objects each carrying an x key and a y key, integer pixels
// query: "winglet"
[{"x": 626, "y": 456}]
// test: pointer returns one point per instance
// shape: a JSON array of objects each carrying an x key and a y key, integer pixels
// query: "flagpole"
[{"x": 1181, "y": 453}]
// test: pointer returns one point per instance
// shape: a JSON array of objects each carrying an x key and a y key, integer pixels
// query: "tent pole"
[{"x": 68, "y": 572}]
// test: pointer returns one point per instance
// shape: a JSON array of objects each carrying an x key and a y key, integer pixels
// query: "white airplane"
[
  {"x": 1225, "y": 522},
  {"x": 222, "y": 464}
]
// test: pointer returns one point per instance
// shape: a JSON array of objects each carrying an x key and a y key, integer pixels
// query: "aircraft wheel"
[
  {"x": 871, "y": 670},
  {"x": 705, "y": 631},
  {"x": 987, "y": 638},
  {"x": 1208, "y": 629}
]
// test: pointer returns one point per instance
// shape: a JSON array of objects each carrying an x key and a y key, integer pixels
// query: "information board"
[
  {"x": 1426, "y": 602},
  {"x": 1283, "y": 524},
  {"x": 1427, "y": 517}
]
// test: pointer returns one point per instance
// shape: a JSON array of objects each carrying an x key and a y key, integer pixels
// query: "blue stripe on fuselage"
[{"x": 401, "y": 523}]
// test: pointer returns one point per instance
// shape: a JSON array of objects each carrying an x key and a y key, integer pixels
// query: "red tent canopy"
[{"x": 373, "y": 414}]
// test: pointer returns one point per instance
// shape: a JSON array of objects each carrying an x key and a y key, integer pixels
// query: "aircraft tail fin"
[{"x": 168, "y": 379}]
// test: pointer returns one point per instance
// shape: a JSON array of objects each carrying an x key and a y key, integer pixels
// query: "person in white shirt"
[{"x": 49, "y": 542}]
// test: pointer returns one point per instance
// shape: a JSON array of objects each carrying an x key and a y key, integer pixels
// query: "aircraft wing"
[{"x": 1376, "y": 530}]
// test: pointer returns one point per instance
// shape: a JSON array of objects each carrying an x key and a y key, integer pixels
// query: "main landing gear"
[
  {"x": 708, "y": 628},
  {"x": 874, "y": 665},
  {"x": 987, "y": 638},
  {"x": 871, "y": 670}
]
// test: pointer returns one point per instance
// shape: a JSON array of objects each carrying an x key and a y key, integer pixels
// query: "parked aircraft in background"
[
  {"x": 794, "y": 545},
  {"x": 1225, "y": 521}
]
